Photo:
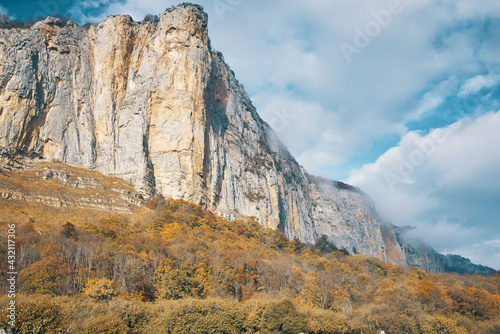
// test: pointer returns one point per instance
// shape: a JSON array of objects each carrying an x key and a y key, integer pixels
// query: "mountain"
[{"x": 152, "y": 104}]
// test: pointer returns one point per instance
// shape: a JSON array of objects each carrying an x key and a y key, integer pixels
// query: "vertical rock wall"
[{"x": 151, "y": 103}]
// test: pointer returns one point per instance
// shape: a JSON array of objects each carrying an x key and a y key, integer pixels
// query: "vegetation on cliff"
[{"x": 176, "y": 268}]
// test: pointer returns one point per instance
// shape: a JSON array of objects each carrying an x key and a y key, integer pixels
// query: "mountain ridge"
[{"x": 152, "y": 103}]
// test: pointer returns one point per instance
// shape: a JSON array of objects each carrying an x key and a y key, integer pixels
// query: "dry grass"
[{"x": 102, "y": 196}]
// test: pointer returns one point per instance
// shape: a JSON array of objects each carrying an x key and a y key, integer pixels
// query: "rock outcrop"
[
  {"x": 152, "y": 103},
  {"x": 65, "y": 187},
  {"x": 418, "y": 254}
]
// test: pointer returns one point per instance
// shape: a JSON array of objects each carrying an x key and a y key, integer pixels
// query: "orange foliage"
[{"x": 183, "y": 251}]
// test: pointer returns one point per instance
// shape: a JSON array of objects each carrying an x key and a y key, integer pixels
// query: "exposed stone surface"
[
  {"x": 461, "y": 265},
  {"x": 62, "y": 186},
  {"x": 418, "y": 254},
  {"x": 152, "y": 104}
]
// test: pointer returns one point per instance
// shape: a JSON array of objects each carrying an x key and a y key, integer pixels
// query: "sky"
[{"x": 400, "y": 98}]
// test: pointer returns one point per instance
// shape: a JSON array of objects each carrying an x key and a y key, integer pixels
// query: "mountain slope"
[{"x": 152, "y": 104}]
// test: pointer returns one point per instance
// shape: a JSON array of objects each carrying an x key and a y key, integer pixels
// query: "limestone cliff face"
[{"x": 152, "y": 104}]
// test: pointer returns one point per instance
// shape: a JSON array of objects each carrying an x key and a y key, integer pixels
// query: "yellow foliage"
[
  {"x": 100, "y": 289},
  {"x": 439, "y": 324},
  {"x": 181, "y": 251},
  {"x": 131, "y": 296},
  {"x": 171, "y": 231}
]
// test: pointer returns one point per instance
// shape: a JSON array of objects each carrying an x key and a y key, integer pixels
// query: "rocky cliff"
[
  {"x": 418, "y": 254},
  {"x": 152, "y": 103}
]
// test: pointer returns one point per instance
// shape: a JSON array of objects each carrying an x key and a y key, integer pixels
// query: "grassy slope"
[{"x": 176, "y": 268}]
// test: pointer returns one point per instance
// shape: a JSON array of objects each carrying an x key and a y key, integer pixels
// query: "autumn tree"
[
  {"x": 68, "y": 230},
  {"x": 433, "y": 297},
  {"x": 440, "y": 324},
  {"x": 476, "y": 303},
  {"x": 101, "y": 289},
  {"x": 50, "y": 275},
  {"x": 36, "y": 316},
  {"x": 274, "y": 275},
  {"x": 283, "y": 317},
  {"x": 178, "y": 281}
]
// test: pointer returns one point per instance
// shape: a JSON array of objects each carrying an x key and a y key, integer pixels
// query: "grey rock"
[{"x": 152, "y": 104}]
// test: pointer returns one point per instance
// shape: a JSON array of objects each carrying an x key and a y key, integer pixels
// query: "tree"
[
  {"x": 296, "y": 246},
  {"x": 68, "y": 230},
  {"x": 400, "y": 298},
  {"x": 101, "y": 289},
  {"x": 176, "y": 282},
  {"x": 28, "y": 252},
  {"x": 274, "y": 275},
  {"x": 439, "y": 324},
  {"x": 324, "y": 245},
  {"x": 151, "y": 18},
  {"x": 493, "y": 329},
  {"x": 170, "y": 231},
  {"x": 476, "y": 303},
  {"x": 156, "y": 202},
  {"x": 49, "y": 275},
  {"x": 433, "y": 297}
]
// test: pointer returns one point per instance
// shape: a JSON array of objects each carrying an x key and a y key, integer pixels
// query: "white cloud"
[
  {"x": 429, "y": 102},
  {"x": 468, "y": 158},
  {"x": 486, "y": 252},
  {"x": 482, "y": 8},
  {"x": 137, "y": 9},
  {"x": 433, "y": 99},
  {"x": 4, "y": 10},
  {"x": 477, "y": 83},
  {"x": 446, "y": 235},
  {"x": 309, "y": 131},
  {"x": 451, "y": 172},
  {"x": 274, "y": 48}
]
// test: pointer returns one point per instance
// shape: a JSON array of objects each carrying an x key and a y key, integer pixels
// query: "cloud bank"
[{"x": 445, "y": 183}]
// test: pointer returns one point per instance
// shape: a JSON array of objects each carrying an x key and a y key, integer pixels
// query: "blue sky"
[{"x": 400, "y": 98}]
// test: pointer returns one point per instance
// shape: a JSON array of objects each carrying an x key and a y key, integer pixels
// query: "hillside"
[{"x": 173, "y": 267}]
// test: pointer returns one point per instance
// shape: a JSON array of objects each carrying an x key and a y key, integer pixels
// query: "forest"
[{"x": 174, "y": 267}]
